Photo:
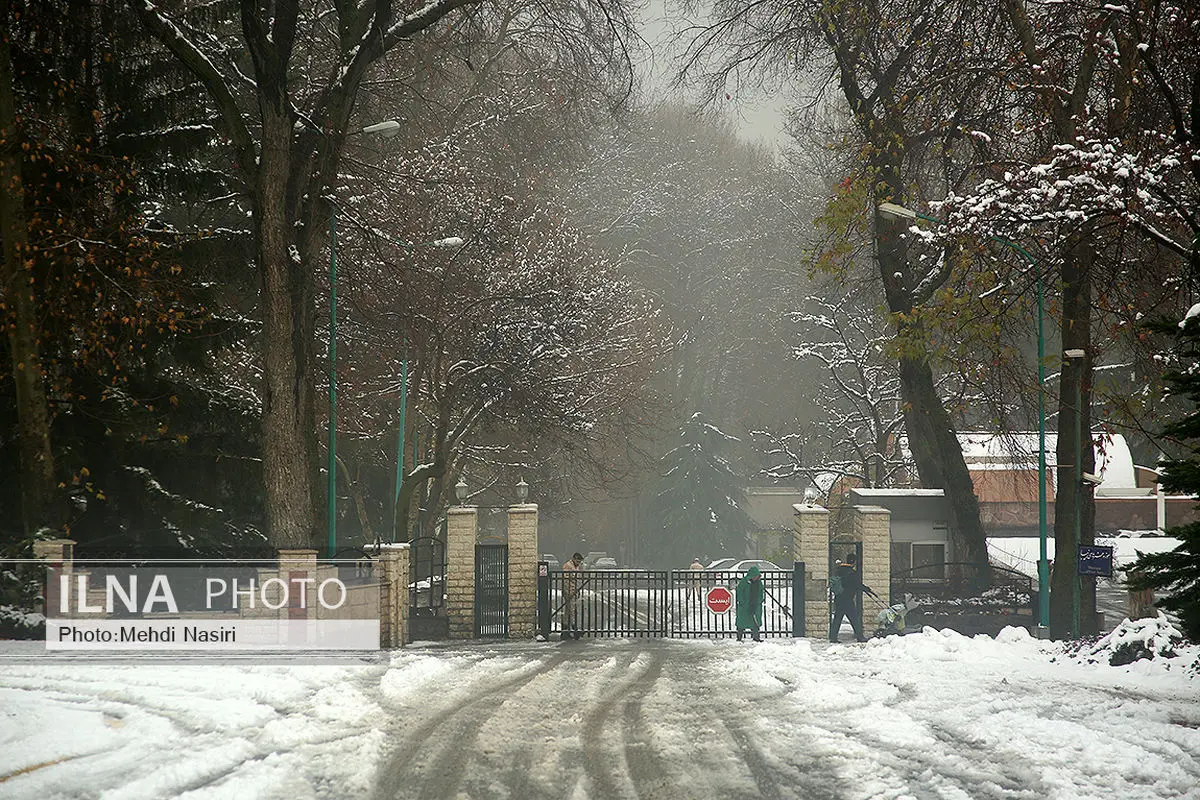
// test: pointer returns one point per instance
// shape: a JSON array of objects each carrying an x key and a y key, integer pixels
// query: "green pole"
[
  {"x": 332, "y": 491},
  {"x": 1043, "y": 559},
  {"x": 1043, "y": 563},
  {"x": 400, "y": 443},
  {"x": 1078, "y": 498}
]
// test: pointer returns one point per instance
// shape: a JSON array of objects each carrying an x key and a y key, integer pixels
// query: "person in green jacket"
[{"x": 750, "y": 598}]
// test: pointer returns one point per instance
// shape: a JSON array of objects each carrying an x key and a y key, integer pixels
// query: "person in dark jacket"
[
  {"x": 570, "y": 588},
  {"x": 750, "y": 597},
  {"x": 847, "y": 603}
]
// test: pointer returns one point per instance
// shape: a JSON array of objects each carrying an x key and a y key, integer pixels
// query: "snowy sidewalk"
[{"x": 930, "y": 715}]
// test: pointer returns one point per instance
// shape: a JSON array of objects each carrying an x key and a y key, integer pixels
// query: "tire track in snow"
[
  {"x": 755, "y": 761},
  {"x": 598, "y": 763},
  {"x": 451, "y": 734},
  {"x": 645, "y": 767}
]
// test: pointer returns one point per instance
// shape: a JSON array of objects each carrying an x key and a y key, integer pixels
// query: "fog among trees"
[{"x": 518, "y": 256}]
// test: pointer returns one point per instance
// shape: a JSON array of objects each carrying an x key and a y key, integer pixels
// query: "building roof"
[{"x": 1114, "y": 461}]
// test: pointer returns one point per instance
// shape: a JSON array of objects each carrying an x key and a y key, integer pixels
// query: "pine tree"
[
  {"x": 1178, "y": 571},
  {"x": 149, "y": 393},
  {"x": 701, "y": 496}
]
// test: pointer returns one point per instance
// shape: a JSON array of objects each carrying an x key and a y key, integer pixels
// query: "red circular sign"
[{"x": 719, "y": 600}]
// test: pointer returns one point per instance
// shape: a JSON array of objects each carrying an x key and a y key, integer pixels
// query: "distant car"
[
  {"x": 605, "y": 563},
  {"x": 589, "y": 561},
  {"x": 552, "y": 560},
  {"x": 761, "y": 563},
  {"x": 736, "y": 565}
]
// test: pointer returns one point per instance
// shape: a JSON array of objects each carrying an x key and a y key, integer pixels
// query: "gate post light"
[
  {"x": 900, "y": 213},
  {"x": 460, "y": 489},
  {"x": 522, "y": 490},
  {"x": 810, "y": 496}
]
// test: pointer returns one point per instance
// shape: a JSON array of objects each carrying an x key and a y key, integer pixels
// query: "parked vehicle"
[
  {"x": 589, "y": 561},
  {"x": 605, "y": 562},
  {"x": 552, "y": 560},
  {"x": 761, "y": 563},
  {"x": 740, "y": 565}
]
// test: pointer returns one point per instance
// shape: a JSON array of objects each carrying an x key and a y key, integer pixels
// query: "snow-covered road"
[{"x": 930, "y": 715}]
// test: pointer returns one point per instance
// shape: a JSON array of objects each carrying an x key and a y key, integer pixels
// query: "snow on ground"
[{"x": 932, "y": 714}]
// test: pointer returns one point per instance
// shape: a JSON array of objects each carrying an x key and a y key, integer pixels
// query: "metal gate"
[
  {"x": 661, "y": 603},
  {"x": 491, "y": 590},
  {"x": 427, "y": 589}
]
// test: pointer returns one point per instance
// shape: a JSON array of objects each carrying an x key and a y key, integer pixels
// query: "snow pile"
[
  {"x": 1150, "y": 639},
  {"x": 935, "y": 645}
]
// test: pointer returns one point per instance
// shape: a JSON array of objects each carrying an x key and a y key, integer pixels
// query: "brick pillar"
[
  {"x": 296, "y": 566},
  {"x": 59, "y": 555},
  {"x": 393, "y": 595},
  {"x": 810, "y": 544},
  {"x": 873, "y": 527},
  {"x": 462, "y": 524},
  {"x": 522, "y": 570}
]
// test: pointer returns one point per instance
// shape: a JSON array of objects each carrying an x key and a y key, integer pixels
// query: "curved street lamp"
[
  {"x": 385, "y": 129},
  {"x": 901, "y": 213}
]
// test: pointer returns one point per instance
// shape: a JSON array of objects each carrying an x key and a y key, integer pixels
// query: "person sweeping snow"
[
  {"x": 848, "y": 588},
  {"x": 750, "y": 599}
]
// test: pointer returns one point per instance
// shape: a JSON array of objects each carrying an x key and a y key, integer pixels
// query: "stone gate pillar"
[
  {"x": 810, "y": 544},
  {"x": 462, "y": 525},
  {"x": 873, "y": 527},
  {"x": 522, "y": 570},
  {"x": 59, "y": 555},
  {"x": 295, "y": 566},
  {"x": 393, "y": 594}
]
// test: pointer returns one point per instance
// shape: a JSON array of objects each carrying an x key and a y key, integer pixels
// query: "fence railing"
[{"x": 661, "y": 603}]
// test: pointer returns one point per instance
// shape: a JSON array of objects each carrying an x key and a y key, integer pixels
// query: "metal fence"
[
  {"x": 966, "y": 598},
  {"x": 661, "y": 603},
  {"x": 491, "y": 590}
]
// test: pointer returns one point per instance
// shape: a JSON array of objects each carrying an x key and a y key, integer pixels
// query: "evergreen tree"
[
  {"x": 1179, "y": 570},
  {"x": 701, "y": 495},
  {"x": 149, "y": 394}
]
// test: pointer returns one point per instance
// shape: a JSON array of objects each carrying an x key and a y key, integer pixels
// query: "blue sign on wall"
[{"x": 1095, "y": 560}]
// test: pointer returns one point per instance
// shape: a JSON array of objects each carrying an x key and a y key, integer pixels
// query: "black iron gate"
[
  {"x": 662, "y": 603},
  {"x": 427, "y": 589},
  {"x": 491, "y": 590}
]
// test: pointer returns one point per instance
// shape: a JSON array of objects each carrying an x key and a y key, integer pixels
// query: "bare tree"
[
  {"x": 859, "y": 437},
  {"x": 286, "y": 115},
  {"x": 908, "y": 113}
]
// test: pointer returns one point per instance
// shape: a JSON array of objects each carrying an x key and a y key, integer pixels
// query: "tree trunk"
[
  {"x": 1076, "y": 378},
  {"x": 39, "y": 501},
  {"x": 931, "y": 435},
  {"x": 289, "y": 421},
  {"x": 938, "y": 455}
]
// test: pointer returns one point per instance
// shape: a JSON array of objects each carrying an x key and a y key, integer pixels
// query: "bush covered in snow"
[
  {"x": 1135, "y": 640},
  {"x": 20, "y": 593},
  {"x": 18, "y": 624}
]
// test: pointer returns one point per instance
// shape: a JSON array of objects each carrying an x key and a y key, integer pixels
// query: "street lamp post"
[
  {"x": 331, "y": 510},
  {"x": 385, "y": 129},
  {"x": 1076, "y": 357},
  {"x": 899, "y": 212},
  {"x": 400, "y": 440}
]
